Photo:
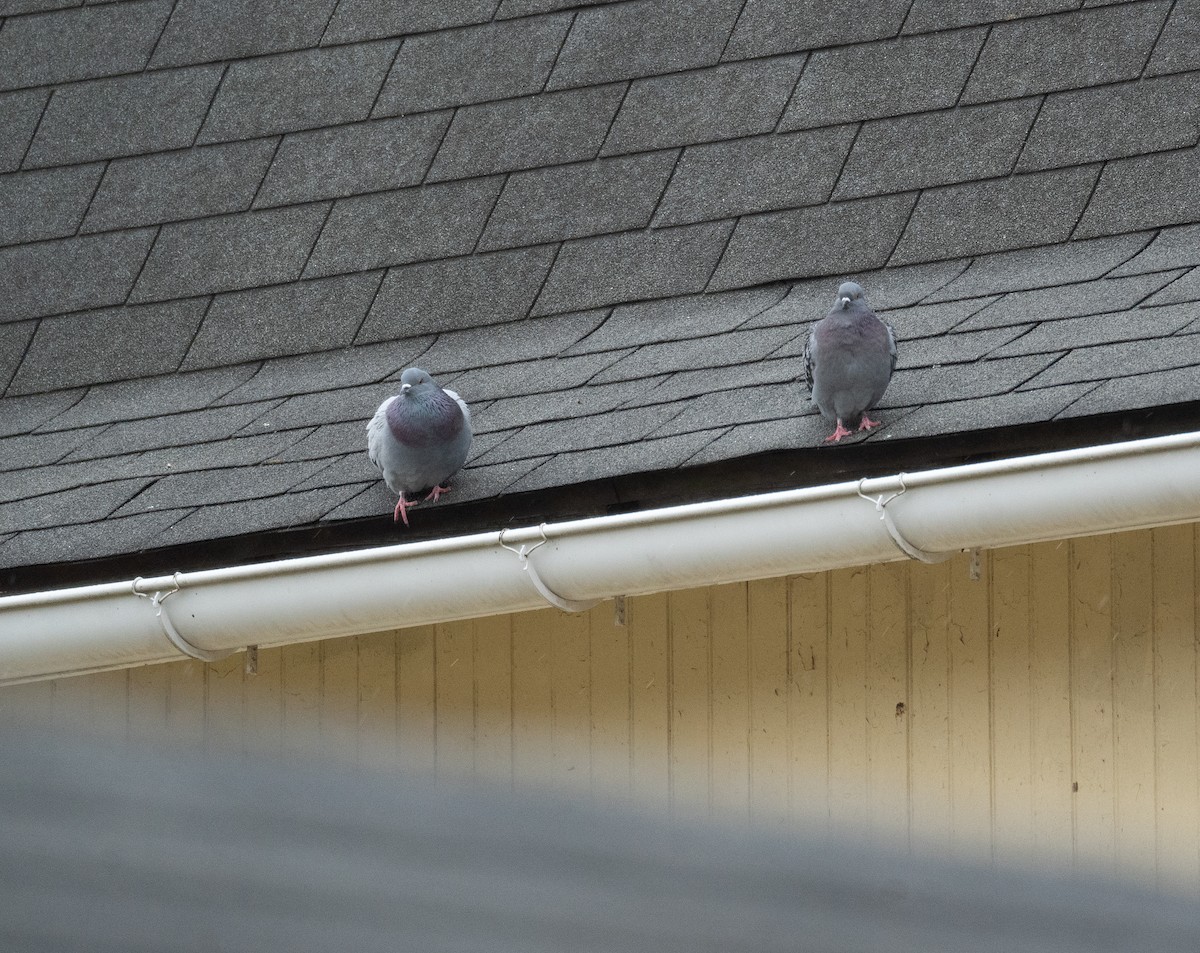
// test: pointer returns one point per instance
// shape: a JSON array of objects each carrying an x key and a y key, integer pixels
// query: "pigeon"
[
  {"x": 419, "y": 439},
  {"x": 848, "y": 360}
]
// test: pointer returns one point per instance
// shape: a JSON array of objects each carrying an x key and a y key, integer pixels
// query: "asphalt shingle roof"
[{"x": 226, "y": 228}]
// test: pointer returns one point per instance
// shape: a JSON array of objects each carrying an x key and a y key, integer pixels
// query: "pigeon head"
[
  {"x": 847, "y": 294},
  {"x": 416, "y": 381}
]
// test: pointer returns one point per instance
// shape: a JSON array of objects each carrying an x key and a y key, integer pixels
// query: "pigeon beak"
[
  {"x": 845, "y": 303},
  {"x": 405, "y": 388}
]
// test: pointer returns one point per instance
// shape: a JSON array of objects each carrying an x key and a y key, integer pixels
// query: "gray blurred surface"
[{"x": 106, "y": 849}]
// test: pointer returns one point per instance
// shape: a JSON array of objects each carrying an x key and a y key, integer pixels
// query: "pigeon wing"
[
  {"x": 377, "y": 433},
  {"x": 461, "y": 403},
  {"x": 810, "y": 357}
]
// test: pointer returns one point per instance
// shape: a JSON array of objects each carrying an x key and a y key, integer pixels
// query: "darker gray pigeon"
[
  {"x": 419, "y": 438},
  {"x": 848, "y": 360}
]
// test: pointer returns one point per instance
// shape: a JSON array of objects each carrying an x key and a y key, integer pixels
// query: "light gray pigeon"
[
  {"x": 848, "y": 360},
  {"x": 419, "y": 438}
]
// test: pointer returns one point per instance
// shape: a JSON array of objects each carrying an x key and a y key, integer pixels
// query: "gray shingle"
[
  {"x": 723, "y": 102},
  {"x": 953, "y": 382},
  {"x": 295, "y": 414},
  {"x": 298, "y": 91},
  {"x": 1068, "y": 301},
  {"x": 96, "y": 346},
  {"x": 782, "y": 26},
  {"x": 997, "y": 410},
  {"x": 119, "y": 117},
  {"x": 79, "y": 505},
  {"x": 525, "y": 409},
  {"x": 39, "y": 450},
  {"x": 1178, "y": 48},
  {"x": 929, "y": 320},
  {"x": 523, "y": 8},
  {"x": 680, "y": 318},
  {"x": 1041, "y": 267},
  {"x": 941, "y": 148},
  {"x": 146, "y": 397},
  {"x": 174, "y": 430},
  {"x": 229, "y": 252},
  {"x": 526, "y": 133},
  {"x": 755, "y": 175},
  {"x": 394, "y": 228},
  {"x": 371, "y": 19},
  {"x": 1065, "y": 51},
  {"x": 84, "y": 43},
  {"x": 457, "y": 293},
  {"x": 943, "y": 14},
  {"x": 642, "y": 38},
  {"x": 1186, "y": 288},
  {"x": 232, "y": 452},
  {"x": 331, "y": 440},
  {"x": 959, "y": 347},
  {"x": 1124, "y": 359},
  {"x": 288, "y": 319},
  {"x": 1094, "y": 329},
  {"x": 204, "y": 30},
  {"x": 307, "y": 373},
  {"x": 70, "y": 274},
  {"x": 218, "y": 486},
  {"x": 595, "y": 271},
  {"x": 1033, "y": 209},
  {"x": 641, "y": 456},
  {"x": 828, "y": 239},
  {"x": 45, "y": 204},
  {"x": 24, "y": 414},
  {"x": 762, "y": 437},
  {"x": 508, "y": 343},
  {"x": 258, "y": 516},
  {"x": 521, "y": 380},
  {"x": 457, "y": 67},
  {"x": 609, "y": 429},
  {"x": 1114, "y": 121},
  {"x": 1143, "y": 192},
  {"x": 346, "y": 160},
  {"x": 1147, "y": 389},
  {"x": 165, "y": 187},
  {"x": 708, "y": 380},
  {"x": 742, "y": 405},
  {"x": 573, "y": 201},
  {"x": 353, "y": 468},
  {"x": 61, "y": 544},
  {"x": 14, "y": 339},
  {"x": 12, "y": 7},
  {"x": 1171, "y": 248},
  {"x": 19, "y": 115},
  {"x": 718, "y": 350},
  {"x": 886, "y": 289},
  {"x": 883, "y": 79}
]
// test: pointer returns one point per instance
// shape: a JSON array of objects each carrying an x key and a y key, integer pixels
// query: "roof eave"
[{"x": 929, "y": 514}]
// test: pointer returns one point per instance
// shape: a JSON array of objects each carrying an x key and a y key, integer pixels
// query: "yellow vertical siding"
[{"x": 1046, "y": 710}]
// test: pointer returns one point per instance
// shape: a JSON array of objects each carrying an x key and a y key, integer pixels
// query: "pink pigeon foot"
[
  {"x": 867, "y": 423},
  {"x": 401, "y": 512},
  {"x": 838, "y": 434},
  {"x": 436, "y": 492}
]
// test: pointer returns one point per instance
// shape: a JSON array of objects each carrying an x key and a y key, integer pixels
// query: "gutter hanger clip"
[
  {"x": 523, "y": 554},
  {"x": 168, "y": 627},
  {"x": 903, "y": 544}
]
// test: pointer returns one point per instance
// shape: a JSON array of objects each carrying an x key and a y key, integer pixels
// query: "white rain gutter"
[{"x": 1124, "y": 486}]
